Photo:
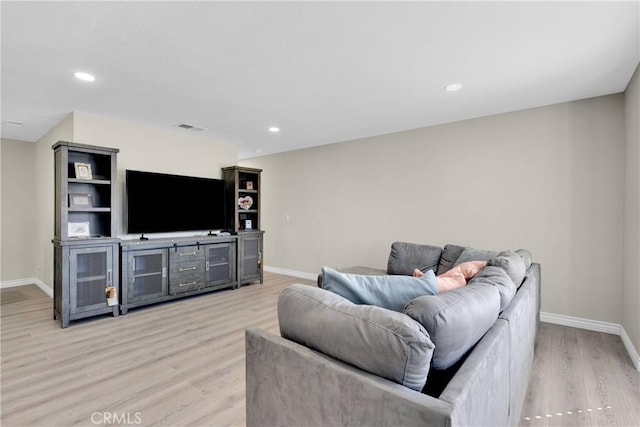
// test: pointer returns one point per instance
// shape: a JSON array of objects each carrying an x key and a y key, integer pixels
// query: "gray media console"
[{"x": 165, "y": 269}]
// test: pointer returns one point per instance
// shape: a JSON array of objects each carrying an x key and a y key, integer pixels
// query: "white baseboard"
[
  {"x": 576, "y": 322},
  {"x": 292, "y": 273},
  {"x": 633, "y": 353},
  {"x": 28, "y": 281},
  {"x": 598, "y": 326}
]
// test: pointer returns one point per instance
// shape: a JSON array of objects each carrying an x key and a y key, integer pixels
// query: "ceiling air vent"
[{"x": 187, "y": 126}]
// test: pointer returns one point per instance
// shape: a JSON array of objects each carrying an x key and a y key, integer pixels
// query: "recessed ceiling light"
[
  {"x": 84, "y": 76},
  {"x": 453, "y": 87},
  {"x": 274, "y": 129}
]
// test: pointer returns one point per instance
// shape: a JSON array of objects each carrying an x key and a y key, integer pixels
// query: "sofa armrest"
[{"x": 289, "y": 384}]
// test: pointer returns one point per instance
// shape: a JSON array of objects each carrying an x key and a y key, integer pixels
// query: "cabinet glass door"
[
  {"x": 91, "y": 272},
  {"x": 148, "y": 273},
  {"x": 251, "y": 258},
  {"x": 219, "y": 261}
]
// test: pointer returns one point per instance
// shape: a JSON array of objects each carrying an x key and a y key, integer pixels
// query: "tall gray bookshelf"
[
  {"x": 86, "y": 248},
  {"x": 243, "y": 190}
]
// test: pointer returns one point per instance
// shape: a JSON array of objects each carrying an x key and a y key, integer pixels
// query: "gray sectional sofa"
[{"x": 460, "y": 358}]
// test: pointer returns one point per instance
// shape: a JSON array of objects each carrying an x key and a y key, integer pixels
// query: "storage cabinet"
[
  {"x": 220, "y": 265},
  {"x": 242, "y": 186},
  {"x": 164, "y": 269},
  {"x": 82, "y": 271},
  {"x": 147, "y": 273},
  {"x": 85, "y": 191},
  {"x": 86, "y": 252},
  {"x": 250, "y": 254}
]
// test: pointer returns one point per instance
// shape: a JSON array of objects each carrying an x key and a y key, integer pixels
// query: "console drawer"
[
  {"x": 185, "y": 282},
  {"x": 186, "y": 269}
]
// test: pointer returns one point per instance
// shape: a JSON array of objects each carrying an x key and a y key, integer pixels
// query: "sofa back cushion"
[
  {"x": 455, "y": 320},
  {"x": 498, "y": 278},
  {"x": 526, "y": 256},
  {"x": 512, "y": 263},
  {"x": 471, "y": 254},
  {"x": 450, "y": 255},
  {"x": 379, "y": 341},
  {"x": 406, "y": 257}
]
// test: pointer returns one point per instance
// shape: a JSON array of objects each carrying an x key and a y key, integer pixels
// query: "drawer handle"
[
  {"x": 188, "y": 284},
  {"x": 187, "y": 269},
  {"x": 187, "y": 253}
]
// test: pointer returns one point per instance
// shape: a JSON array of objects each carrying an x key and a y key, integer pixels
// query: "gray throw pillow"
[
  {"x": 455, "y": 320},
  {"x": 470, "y": 254},
  {"x": 405, "y": 257},
  {"x": 512, "y": 263},
  {"x": 382, "y": 342},
  {"x": 496, "y": 276}
]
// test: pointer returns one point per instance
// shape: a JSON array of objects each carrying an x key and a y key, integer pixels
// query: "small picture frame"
[
  {"x": 80, "y": 200},
  {"x": 248, "y": 224},
  {"x": 78, "y": 229},
  {"x": 249, "y": 185},
  {"x": 83, "y": 170}
]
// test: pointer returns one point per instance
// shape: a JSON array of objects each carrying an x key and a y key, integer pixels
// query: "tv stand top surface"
[{"x": 165, "y": 242}]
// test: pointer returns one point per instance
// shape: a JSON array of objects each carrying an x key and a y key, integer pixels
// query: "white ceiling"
[{"x": 323, "y": 72}]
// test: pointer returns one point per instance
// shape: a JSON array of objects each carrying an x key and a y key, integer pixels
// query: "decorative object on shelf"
[
  {"x": 79, "y": 229},
  {"x": 245, "y": 202},
  {"x": 83, "y": 170},
  {"x": 248, "y": 225},
  {"x": 249, "y": 185},
  {"x": 80, "y": 200}
]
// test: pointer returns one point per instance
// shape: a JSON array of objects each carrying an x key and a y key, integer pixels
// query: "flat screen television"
[{"x": 158, "y": 202}]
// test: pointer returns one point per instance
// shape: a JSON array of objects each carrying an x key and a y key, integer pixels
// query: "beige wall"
[
  {"x": 631, "y": 288},
  {"x": 45, "y": 188},
  {"x": 547, "y": 179},
  {"x": 153, "y": 149},
  {"x": 18, "y": 213},
  {"x": 141, "y": 147}
]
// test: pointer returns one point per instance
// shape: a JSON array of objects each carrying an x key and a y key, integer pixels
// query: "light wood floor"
[
  {"x": 182, "y": 363},
  {"x": 581, "y": 378}
]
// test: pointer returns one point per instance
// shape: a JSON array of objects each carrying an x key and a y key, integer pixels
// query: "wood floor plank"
[{"x": 182, "y": 364}]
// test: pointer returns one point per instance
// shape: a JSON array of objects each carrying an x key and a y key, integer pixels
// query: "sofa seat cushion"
[
  {"x": 379, "y": 341},
  {"x": 405, "y": 257},
  {"x": 456, "y": 320}
]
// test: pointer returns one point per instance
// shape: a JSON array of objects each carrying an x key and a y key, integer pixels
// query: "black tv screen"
[{"x": 158, "y": 202}]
